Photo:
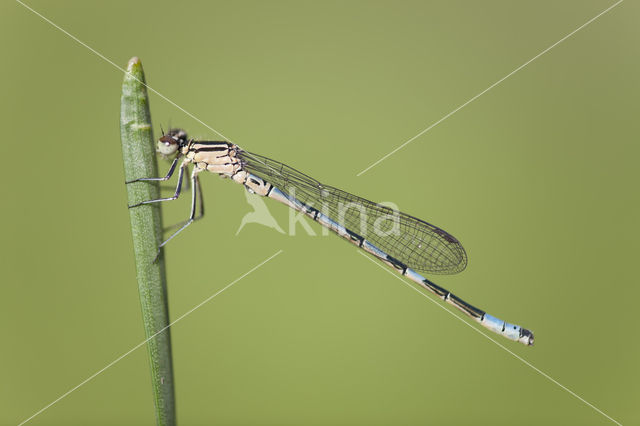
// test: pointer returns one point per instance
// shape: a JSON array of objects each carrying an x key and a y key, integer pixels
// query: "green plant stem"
[{"x": 139, "y": 154}]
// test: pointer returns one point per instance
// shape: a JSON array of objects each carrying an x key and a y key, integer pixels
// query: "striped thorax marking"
[
  {"x": 214, "y": 157},
  {"x": 222, "y": 158}
]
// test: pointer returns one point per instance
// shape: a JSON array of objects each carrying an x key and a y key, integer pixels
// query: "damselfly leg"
[
  {"x": 156, "y": 179},
  {"x": 200, "y": 214},
  {"x": 178, "y": 187},
  {"x": 186, "y": 184},
  {"x": 195, "y": 190}
]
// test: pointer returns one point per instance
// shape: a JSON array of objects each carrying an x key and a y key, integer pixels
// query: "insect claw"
[{"x": 155, "y": 259}]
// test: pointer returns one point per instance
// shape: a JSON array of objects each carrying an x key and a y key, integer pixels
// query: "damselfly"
[{"x": 407, "y": 244}]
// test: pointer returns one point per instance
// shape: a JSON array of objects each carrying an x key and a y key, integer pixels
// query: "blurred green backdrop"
[{"x": 538, "y": 178}]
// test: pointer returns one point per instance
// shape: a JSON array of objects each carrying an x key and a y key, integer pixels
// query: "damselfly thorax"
[{"x": 214, "y": 157}]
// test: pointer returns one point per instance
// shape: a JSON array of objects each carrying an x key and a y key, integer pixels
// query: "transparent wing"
[{"x": 416, "y": 243}]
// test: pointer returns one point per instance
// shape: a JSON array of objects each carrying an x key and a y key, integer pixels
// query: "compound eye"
[
  {"x": 178, "y": 134},
  {"x": 167, "y": 145}
]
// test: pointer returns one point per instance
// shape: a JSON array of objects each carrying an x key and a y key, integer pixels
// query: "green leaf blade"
[{"x": 138, "y": 148}]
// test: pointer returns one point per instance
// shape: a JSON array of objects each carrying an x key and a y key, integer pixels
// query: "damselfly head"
[{"x": 171, "y": 142}]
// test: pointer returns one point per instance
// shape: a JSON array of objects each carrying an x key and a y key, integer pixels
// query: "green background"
[{"x": 538, "y": 178}]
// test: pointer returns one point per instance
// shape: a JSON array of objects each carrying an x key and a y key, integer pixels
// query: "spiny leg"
[
  {"x": 167, "y": 177},
  {"x": 186, "y": 183},
  {"x": 200, "y": 215},
  {"x": 177, "y": 193},
  {"x": 194, "y": 196},
  {"x": 197, "y": 182}
]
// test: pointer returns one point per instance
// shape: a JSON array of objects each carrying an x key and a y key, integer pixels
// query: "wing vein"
[{"x": 418, "y": 244}]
